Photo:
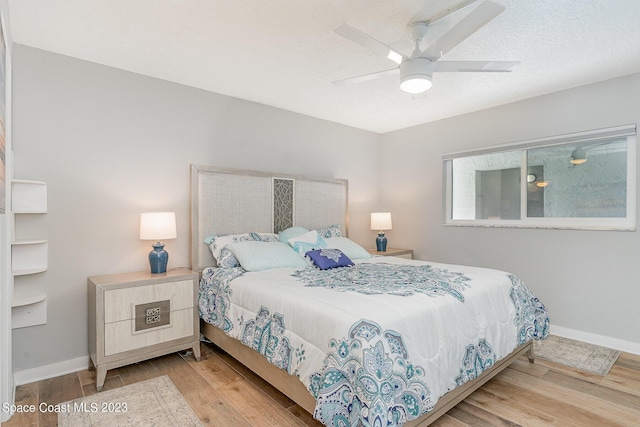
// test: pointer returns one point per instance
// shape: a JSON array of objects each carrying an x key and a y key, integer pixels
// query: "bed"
[{"x": 374, "y": 341}]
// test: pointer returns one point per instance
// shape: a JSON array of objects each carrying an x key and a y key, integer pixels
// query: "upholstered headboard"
[{"x": 237, "y": 201}]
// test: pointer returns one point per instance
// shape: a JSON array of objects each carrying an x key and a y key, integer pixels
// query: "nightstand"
[
  {"x": 138, "y": 316},
  {"x": 400, "y": 253}
]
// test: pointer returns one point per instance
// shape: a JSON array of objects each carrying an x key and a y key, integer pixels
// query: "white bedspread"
[{"x": 382, "y": 351}]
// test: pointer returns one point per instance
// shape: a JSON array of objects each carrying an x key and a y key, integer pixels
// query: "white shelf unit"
[
  {"x": 29, "y": 311},
  {"x": 28, "y": 196},
  {"x": 28, "y": 256}
]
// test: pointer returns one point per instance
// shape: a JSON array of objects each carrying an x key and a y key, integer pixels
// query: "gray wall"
[
  {"x": 111, "y": 144},
  {"x": 589, "y": 280}
]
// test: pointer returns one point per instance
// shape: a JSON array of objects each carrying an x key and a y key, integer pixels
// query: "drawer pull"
[
  {"x": 152, "y": 315},
  {"x": 153, "y": 311},
  {"x": 153, "y": 319}
]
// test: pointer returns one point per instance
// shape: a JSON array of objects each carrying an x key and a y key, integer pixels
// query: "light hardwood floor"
[{"x": 224, "y": 393}]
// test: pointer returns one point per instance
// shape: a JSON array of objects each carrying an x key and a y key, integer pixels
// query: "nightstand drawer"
[
  {"x": 119, "y": 304},
  {"x": 407, "y": 256},
  {"x": 396, "y": 252},
  {"x": 122, "y": 336}
]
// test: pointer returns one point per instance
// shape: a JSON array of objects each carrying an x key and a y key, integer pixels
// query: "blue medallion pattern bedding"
[{"x": 377, "y": 343}]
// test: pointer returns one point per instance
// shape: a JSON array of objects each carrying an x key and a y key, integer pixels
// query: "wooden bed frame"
[
  {"x": 293, "y": 388},
  {"x": 203, "y": 200}
]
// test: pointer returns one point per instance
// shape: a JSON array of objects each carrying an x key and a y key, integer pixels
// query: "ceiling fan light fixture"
[
  {"x": 416, "y": 84},
  {"x": 416, "y": 75}
]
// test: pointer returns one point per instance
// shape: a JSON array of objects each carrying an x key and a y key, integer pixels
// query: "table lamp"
[
  {"x": 158, "y": 226},
  {"x": 381, "y": 221}
]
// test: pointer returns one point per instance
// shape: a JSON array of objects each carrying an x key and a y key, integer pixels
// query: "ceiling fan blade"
[
  {"x": 468, "y": 25},
  {"x": 446, "y": 12},
  {"x": 366, "y": 77},
  {"x": 357, "y": 36},
  {"x": 475, "y": 66}
]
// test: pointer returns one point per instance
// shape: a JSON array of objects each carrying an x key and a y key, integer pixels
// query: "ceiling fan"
[{"x": 416, "y": 71}]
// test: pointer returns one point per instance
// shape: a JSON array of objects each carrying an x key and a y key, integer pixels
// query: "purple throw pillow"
[{"x": 325, "y": 259}]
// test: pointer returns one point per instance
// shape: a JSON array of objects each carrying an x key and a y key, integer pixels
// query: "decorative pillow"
[
  {"x": 307, "y": 242},
  {"x": 218, "y": 245},
  {"x": 257, "y": 256},
  {"x": 331, "y": 231},
  {"x": 325, "y": 259},
  {"x": 291, "y": 233},
  {"x": 348, "y": 247}
]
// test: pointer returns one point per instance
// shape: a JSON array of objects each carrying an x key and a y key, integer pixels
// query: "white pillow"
[
  {"x": 307, "y": 242},
  {"x": 291, "y": 233},
  {"x": 218, "y": 245},
  {"x": 348, "y": 247},
  {"x": 257, "y": 256}
]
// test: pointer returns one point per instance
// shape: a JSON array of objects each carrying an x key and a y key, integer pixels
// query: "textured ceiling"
[{"x": 284, "y": 53}]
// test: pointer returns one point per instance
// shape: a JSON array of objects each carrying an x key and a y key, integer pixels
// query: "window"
[{"x": 585, "y": 180}]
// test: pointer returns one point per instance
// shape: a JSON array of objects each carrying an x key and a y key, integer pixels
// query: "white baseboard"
[
  {"x": 51, "y": 371},
  {"x": 614, "y": 343}
]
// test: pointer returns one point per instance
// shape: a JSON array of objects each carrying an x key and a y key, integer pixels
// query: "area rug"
[
  {"x": 154, "y": 402},
  {"x": 577, "y": 354}
]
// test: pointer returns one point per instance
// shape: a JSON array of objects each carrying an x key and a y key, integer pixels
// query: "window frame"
[{"x": 627, "y": 223}]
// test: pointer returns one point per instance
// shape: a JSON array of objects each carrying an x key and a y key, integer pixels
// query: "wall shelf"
[
  {"x": 29, "y": 257},
  {"x": 23, "y": 301},
  {"x": 29, "y": 311},
  {"x": 28, "y": 196}
]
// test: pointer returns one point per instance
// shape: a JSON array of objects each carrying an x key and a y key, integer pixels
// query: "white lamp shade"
[
  {"x": 381, "y": 221},
  {"x": 158, "y": 226}
]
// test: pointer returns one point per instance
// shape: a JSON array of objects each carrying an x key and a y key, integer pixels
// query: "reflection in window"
[
  {"x": 579, "y": 180},
  {"x": 487, "y": 187},
  {"x": 584, "y": 180}
]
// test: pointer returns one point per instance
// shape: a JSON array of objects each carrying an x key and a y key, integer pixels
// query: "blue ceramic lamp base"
[
  {"x": 381, "y": 242},
  {"x": 158, "y": 259}
]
